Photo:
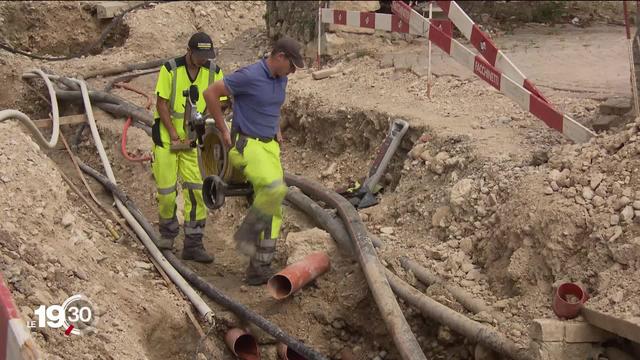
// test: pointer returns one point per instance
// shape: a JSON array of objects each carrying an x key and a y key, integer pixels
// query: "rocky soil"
[{"x": 480, "y": 192}]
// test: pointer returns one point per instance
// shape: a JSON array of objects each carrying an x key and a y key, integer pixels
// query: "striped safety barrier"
[
  {"x": 414, "y": 23},
  {"x": 386, "y": 22},
  {"x": 15, "y": 339},
  {"x": 481, "y": 41}
]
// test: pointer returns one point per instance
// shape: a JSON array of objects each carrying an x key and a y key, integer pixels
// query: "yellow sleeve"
[
  {"x": 163, "y": 86},
  {"x": 219, "y": 76}
]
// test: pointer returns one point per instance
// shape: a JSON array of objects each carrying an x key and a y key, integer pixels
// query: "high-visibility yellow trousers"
[
  {"x": 167, "y": 165},
  {"x": 259, "y": 162}
]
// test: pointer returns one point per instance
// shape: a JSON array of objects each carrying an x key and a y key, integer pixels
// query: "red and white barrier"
[
  {"x": 518, "y": 90},
  {"x": 481, "y": 41},
  {"x": 386, "y": 22},
  {"x": 15, "y": 339}
]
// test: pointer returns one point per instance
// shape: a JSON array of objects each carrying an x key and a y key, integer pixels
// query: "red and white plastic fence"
[
  {"x": 484, "y": 45},
  {"x": 386, "y": 22},
  {"x": 15, "y": 340},
  {"x": 510, "y": 81}
]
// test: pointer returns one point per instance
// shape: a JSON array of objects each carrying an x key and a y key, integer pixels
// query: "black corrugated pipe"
[
  {"x": 240, "y": 310},
  {"x": 388, "y": 307}
]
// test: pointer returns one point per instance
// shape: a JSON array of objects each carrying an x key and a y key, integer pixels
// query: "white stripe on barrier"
[
  {"x": 17, "y": 336},
  {"x": 418, "y": 26},
  {"x": 462, "y": 55},
  {"x": 383, "y": 22},
  {"x": 506, "y": 66},
  {"x": 575, "y": 131},
  {"x": 327, "y": 15},
  {"x": 461, "y": 20},
  {"x": 353, "y": 18},
  {"x": 512, "y": 90}
]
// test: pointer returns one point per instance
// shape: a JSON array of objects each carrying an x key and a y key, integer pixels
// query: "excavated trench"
[{"x": 336, "y": 315}]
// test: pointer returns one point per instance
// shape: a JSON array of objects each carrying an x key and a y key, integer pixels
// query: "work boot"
[
  {"x": 194, "y": 250},
  {"x": 258, "y": 273},
  {"x": 164, "y": 243},
  {"x": 248, "y": 234},
  {"x": 259, "y": 270}
]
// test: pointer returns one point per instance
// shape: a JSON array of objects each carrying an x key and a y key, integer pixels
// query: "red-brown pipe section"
[
  {"x": 297, "y": 275},
  {"x": 242, "y": 344},
  {"x": 287, "y": 354}
]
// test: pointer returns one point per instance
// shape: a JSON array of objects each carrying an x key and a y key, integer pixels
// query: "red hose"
[
  {"x": 123, "y": 145},
  {"x": 127, "y": 124}
]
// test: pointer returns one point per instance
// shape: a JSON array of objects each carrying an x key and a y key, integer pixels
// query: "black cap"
[
  {"x": 291, "y": 49},
  {"x": 201, "y": 45}
]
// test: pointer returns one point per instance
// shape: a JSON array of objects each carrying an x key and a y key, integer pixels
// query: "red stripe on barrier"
[
  {"x": 439, "y": 38},
  {"x": 443, "y": 24},
  {"x": 483, "y": 44},
  {"x": 545, "y": 112},
  {"x": 398, "y": 25},
  {"x": 368, "y": 20},
  {"x": 340, "y": 17},
  {"x": 534, "y": 90},
  {"x": 8, "y": 311},
  {"x": 444, "y": 5},
  {"x": 486, "y": 72}
]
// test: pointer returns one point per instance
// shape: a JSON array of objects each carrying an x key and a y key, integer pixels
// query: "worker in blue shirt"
[{"x": 258, "y": 92}]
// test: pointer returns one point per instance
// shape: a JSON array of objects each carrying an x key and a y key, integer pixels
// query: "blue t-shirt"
[{"x": 258, "y": 97}]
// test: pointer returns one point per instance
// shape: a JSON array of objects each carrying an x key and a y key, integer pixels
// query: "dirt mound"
[
  {"x": 42, "y": 27},
  {"x": 52, "y": 247}
]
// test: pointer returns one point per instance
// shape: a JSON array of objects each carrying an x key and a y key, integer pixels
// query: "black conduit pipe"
[
  {"x": 325, "y": 220},
  {"x": 240, "y": 310},
  {"x": 461, "y": 324},
  {"x": 374, "y": 272}
]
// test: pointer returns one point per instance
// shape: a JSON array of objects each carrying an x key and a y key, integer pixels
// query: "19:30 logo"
[{"x": 77, "y": 316}]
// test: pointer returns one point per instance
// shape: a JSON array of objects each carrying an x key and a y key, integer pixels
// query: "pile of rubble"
[{"x": 509, "y": 231}]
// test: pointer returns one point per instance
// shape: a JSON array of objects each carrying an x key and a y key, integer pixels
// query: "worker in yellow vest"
[{"x": 196, "y": 67}]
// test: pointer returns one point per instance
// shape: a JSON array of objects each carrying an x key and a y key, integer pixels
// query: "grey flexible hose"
[
  {"x": 202, "y": 307},
  {"x": 197, "y": 301},
  {"x": 22, "y": 117}
]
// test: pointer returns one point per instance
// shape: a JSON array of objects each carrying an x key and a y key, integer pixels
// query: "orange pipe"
[
  {"x": 242, "y": 344},
  {"x": 288, "y": 354},
  {"x": 295, "y": 276}
]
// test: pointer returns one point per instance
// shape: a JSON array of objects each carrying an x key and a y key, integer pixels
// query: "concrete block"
[
  {"x": 386, "y": 61},
  {"x": 582, "y": 332},
  {"x": 420, "y": 70},
  {"x": 325, "y": 73},
  {"x": 551, "y": 351},
  {"x": 605, "y": 122},
  {"x": 577, "y": 351},
  {"x": 350, "y": 29},
  {"x": 109, "y": 9},
  {"x": 615, "y": 106},
  {"x": 547, "y": 330},
  {"x": 405, "y": 61}
]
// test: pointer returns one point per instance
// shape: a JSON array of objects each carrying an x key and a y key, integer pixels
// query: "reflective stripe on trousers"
[{"x": 166, "y": 167}]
